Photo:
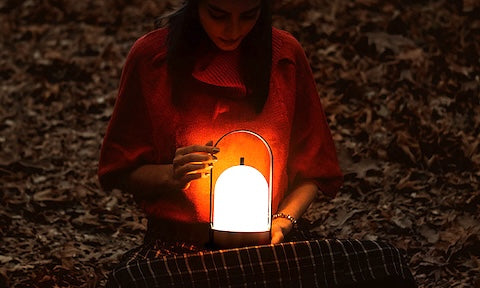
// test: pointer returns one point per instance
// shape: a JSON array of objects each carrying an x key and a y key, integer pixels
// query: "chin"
[{"x": 228, "y": 48}]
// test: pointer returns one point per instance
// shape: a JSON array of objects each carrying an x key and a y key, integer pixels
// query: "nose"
[{"x": 233, "y": 30}]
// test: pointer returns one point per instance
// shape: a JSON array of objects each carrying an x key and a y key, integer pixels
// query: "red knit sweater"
[{"x": 146, "y": 127}]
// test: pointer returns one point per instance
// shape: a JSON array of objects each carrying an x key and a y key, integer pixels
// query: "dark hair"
[{"x": 187, "y": 36}]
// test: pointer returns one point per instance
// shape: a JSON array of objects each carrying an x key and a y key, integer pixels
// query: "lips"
[{"x": 230, "y": 41}]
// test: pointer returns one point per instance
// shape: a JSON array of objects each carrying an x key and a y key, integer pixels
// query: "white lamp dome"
[{"x": 241, "y": 200}]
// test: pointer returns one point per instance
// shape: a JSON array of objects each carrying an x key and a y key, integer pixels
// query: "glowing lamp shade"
[
  {"x": 241, "y": 196},
  {"x": 237, "y": 188}
]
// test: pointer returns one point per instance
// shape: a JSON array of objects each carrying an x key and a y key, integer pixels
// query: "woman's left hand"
[{"x": 280, "y": 228}]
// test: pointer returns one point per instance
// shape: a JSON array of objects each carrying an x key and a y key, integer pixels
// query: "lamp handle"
[{"x": 270, "y": 186}]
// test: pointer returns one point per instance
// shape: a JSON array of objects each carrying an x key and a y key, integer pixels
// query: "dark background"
[{"x": 399, "y": 81}]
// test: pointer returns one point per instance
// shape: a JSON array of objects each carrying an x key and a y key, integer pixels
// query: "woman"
[{"x": 218, "y": 66}]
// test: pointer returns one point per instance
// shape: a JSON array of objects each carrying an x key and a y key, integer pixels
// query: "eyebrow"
[{"x": 218, "y": 9}]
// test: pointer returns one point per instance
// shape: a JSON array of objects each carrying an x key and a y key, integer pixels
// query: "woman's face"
[{"x": 227, "y": 22}]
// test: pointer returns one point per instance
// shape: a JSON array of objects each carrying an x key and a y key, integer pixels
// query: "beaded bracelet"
[{"x": 286, "y": 216}]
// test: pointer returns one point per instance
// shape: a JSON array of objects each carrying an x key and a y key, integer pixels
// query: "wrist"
[
  {"x": 284, "y": 221},
  {"x": 285, "y": 216}
]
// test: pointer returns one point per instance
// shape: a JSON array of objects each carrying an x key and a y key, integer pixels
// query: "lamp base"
[{"x": 227, "y": 239}]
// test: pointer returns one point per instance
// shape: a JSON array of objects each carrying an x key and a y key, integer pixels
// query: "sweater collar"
[{"x": 222, "y": 68}]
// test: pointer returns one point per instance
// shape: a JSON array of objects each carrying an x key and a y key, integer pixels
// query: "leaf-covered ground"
[{"x": 400, "y": 82}]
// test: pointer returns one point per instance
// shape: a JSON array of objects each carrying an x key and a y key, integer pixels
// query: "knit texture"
[{"x": 146, "y": 128}]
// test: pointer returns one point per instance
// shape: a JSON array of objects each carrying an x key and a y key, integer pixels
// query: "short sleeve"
[
  {"x": 312, "y": 155},
  {"x": 128, "y": 141}
]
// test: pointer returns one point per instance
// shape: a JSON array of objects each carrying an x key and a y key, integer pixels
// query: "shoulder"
[
  {"x": 150, "y": 47},
  {"x": 285, "y": 46}
]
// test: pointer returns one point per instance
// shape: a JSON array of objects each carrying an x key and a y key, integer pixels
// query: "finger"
[
  {"x": 277, "y": 238},
  {"x": 197, "y": 149},
  {"x": 181, "y": 171},
  {"x": 193, "y": 158},
  {"x": 189, "y": 178},
  {"x": 192, "y": 168},
  {"x": 277, "y": 233}
]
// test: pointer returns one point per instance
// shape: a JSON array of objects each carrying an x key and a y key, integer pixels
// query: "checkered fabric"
[{"x": 314, "y": 263}]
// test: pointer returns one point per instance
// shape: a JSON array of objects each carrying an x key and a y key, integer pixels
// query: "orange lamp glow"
[{"x": 241, "y": 202}]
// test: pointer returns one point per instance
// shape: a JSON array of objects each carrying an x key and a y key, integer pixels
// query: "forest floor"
[{"x": 399, "y": 81}]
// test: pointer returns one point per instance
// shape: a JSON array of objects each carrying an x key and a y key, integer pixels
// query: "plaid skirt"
[{"x": 301, "y": 261}]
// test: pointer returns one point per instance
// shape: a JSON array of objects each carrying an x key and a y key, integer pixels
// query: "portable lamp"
[{"x": 240, "y": 200}]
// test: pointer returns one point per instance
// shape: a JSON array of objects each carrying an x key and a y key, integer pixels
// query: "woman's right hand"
[{"x": 192, "y": 163}]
